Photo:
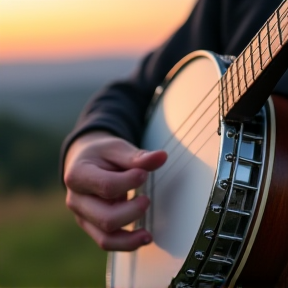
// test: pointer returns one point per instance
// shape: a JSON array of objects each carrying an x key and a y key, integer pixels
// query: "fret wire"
[
  {"x": 269, "y": 40},
  {"x": 283, "y": 16},
  {"x": 222, "y": 93},
  {"x": 245, "y": 72},
  {"x": 227, "y": 91},
  {"x": 260, "y": 51},
  {"x": 232, "y": 87},
  {"x": 229, "y": 80},
  {"x": 252, "y": 64},
  {"x": 219, "y": 100},
  {"x": 284, "y": 28},
  {"x": 279, "y": 27},
  {"x": 285, "y": 11},
  {"x": 236, "y": 75},
  {"x": 278, "y": 24}
]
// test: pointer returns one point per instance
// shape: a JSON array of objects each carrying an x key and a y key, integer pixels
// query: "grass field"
[{"x": 41, "y": 246}]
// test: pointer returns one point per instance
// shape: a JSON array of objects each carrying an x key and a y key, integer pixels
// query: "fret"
[
  {"x": 279, "y": 27},
  {"x": 220, "y": 99},
  {"x": 232, "y": 86},
  {"x": 244, "y": 71},
  {"x": 263, "y": 46},
  {"x": 269, "y": 40},
  {"x": 283, "y": 10},
  {"x": 252, "y": 61},
  {"x": 223, "y": 98},
  {"x": 285, "y": 33},
  {"x": 228, "y": 91},
  {"x": 248, "y": 65},
  {"x": 237, "y": 77},
  {"x": 236, "y": 91},
  {"x": 241, "y": 72},
  {"x": 229, "y": 87},
  {"x": 260, "y": 51},
  {"x": 275, "y": 40},
  {"x": 256, "y": 56},
  {"x": 283, "y": 16}
]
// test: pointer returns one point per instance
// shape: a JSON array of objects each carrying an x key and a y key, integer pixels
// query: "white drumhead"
[{"x": 184, "y": 124}]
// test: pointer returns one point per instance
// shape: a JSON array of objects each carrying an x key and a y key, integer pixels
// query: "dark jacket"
[{"x": 222, "y": 26}]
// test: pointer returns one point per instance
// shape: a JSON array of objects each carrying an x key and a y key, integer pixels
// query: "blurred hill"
[
  {"x": 39, "y": 104},
  {"x": 52, "y": 94}
]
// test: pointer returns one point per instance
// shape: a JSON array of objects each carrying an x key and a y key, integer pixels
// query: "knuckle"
[
  {"x": 70, "y": 201},
  {"x": 108, "y": 225},
  {"x": 69, "y": 178}
]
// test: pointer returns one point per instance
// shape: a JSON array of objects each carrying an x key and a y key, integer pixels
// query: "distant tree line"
[{"x": 29, "y": 158}]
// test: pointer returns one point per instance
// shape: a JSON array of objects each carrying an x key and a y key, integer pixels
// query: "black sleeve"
[
  {"x": 223, "y": 26},
  {"x": 120, "y": 107}
]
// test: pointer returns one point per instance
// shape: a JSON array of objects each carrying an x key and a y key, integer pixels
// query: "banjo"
[{"x": 219, "y": 205}]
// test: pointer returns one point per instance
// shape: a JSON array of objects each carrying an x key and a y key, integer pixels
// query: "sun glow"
[{"x": 34, "y": 29}]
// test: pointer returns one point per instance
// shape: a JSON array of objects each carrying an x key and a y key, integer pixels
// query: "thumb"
[
  {"x": 149, "y": 160},
  {"x": 126, "y": 155}
]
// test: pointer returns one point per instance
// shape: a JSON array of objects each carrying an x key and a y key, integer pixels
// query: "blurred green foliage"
[
  {"x": 40, "y": 243},
  {"x": 41, "y": 246},
  {"x": 29, "y": 157}
]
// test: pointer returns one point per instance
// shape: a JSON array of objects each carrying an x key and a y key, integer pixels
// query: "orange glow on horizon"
[{"x": 51, "y": 29}]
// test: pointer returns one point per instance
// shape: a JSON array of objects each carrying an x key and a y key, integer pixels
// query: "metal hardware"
[
  {"x": 183, "y": 285},
  {"x": 199, "y": 255},
  {"x": 250, "y": 161},
  {"x": 190, "y": 273},
  {"x": 224, "y": 184},
  {"x": 228, "y": 237},
  {"x": 217, "y": 240},
  {"x": 231, "y": 133},
  {"x": 159, "y": 90},
  {"x": 242, "y": 213},
  {"x": 217, "y": 279},
  {"x": 222, "y": 261},
  {"x": 248, "y": 187},
  {"x": 229, "y": 157},
  {"x": 216, "y": 209},
  {"x": 209, "y": 234},
  {"x": 252, "y": 137}
]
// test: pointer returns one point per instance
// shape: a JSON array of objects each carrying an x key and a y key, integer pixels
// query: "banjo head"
[{"x": 203, "y": 198}]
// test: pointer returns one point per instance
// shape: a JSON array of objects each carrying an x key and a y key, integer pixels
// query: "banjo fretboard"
[{"x": 250, "y": 79}]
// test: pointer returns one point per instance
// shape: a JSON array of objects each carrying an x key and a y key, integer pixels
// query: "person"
[{"x": 100, "y": 157}]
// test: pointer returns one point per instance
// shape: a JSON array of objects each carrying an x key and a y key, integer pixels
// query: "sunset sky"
[{"x": 33, "y": 30}]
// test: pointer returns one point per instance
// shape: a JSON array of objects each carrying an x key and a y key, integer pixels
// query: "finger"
[
  {"x": 120, "y": 240},
  {"x": 86, "y": 178},
  {"x": 126, "y": 156},
  {"x": 107, "y": 216},
  {"x": 149, "y": 160}
]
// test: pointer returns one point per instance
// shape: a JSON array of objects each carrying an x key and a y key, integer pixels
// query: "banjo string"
[
  {"x": 173, "y": 135},
  {"x": 219, "y": 84}
]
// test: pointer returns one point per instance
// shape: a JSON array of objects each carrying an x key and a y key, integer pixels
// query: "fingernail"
[{"x": 145, "y": 153}]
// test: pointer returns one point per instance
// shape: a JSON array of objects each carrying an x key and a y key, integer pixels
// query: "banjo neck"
[{"x": 256, "y": 71}]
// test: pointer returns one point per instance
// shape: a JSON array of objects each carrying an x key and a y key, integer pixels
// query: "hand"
[{"x": 99, "y": 170}]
